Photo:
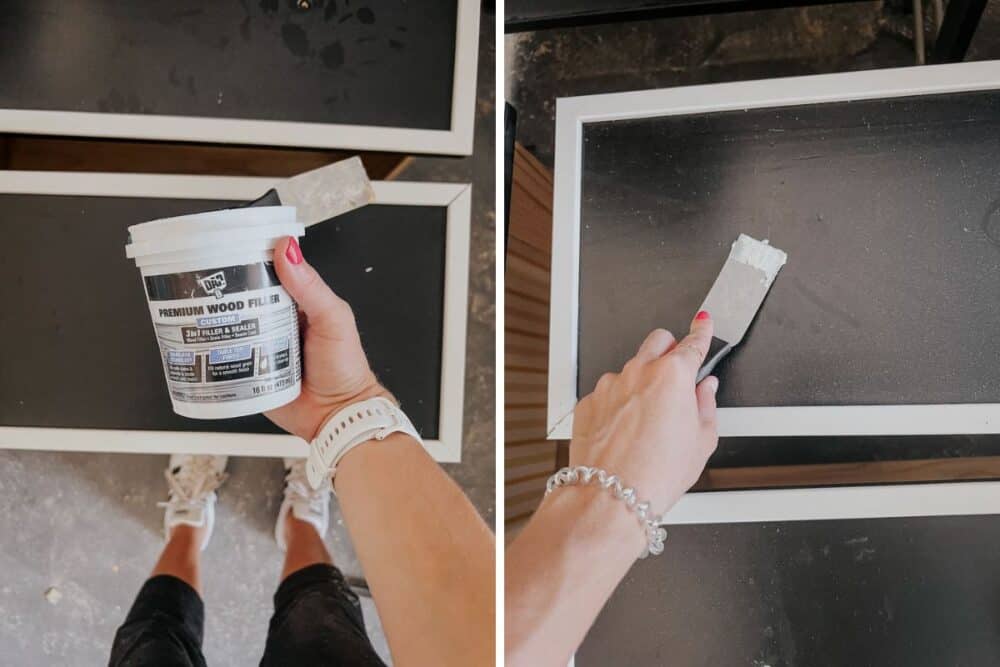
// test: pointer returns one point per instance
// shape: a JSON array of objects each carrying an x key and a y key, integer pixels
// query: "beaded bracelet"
[{"x": 655, "y": 534}]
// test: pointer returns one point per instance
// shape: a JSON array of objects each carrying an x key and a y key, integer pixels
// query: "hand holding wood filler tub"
[
  {"x": 226, "y": 290},
  {"x": 641, "y": 439},
  {"x": 227, "y": 329}
]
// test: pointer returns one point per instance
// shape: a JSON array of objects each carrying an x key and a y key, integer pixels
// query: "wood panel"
[
  {"x": 841, "y": 474},
  {"x": 529, "y": 458},
  {"x": 63, "y": 154}
]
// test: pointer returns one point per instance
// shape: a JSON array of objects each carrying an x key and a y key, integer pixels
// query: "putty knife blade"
[
  {"x": 737, "y": 294},
  {"x": 323, "y": 193}
]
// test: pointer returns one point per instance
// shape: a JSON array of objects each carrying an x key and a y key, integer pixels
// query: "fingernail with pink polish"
[
  {"x": 702, "y": 315},
  {"x": 293, "y": 252}
]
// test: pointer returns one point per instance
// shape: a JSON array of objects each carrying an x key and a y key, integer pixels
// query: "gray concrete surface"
[{"x": 87, "y": 525}]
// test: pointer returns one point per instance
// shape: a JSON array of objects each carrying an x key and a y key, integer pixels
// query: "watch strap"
[{"x": 372, "y": 419}]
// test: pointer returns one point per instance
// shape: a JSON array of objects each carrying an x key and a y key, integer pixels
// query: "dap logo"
[{"x": 213, "y": 284}]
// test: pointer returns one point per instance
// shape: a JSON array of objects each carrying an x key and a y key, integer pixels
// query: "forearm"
[
  {"x": 427, "y": 555},
  {"x": 561, "y": 570}
]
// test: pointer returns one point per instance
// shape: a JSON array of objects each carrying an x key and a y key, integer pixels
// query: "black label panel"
[
  {"x": 216, "y": 282},
  {"x": 230, "y": 370}
]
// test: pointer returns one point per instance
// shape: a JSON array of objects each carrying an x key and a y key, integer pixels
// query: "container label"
[
  {"x": 210, "y": 334},
  {"x": 216, "y": 283},
  {"x": 226, "y": 334}
]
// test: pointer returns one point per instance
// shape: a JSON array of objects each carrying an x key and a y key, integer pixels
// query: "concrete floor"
[
  {"x": 87, "y": 527},
  {"x": 545, "y": 65}
]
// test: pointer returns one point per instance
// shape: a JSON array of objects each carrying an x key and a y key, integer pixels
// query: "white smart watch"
[{"x": 373, "y": 419}]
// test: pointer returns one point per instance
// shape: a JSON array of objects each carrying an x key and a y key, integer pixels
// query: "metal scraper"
[
  {"x": 738, "y": 293},
  {"x": 322, "y": 193}
]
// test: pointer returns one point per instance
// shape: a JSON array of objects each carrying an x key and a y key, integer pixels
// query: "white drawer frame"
[
  {"x": 457, "y": 197},
  {"x": 571, "y": 115}
]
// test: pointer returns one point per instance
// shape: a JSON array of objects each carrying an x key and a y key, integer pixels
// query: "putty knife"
[
  {"x": 737, "y": 294},
  {"x": 322, "y": 193}
]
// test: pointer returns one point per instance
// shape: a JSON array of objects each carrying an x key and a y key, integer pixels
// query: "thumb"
[
  {"x": 705, "y": 394},
  {"x": 326, "y": 312}
]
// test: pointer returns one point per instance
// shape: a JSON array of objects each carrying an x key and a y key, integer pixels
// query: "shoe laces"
[
  {"x": 299, "y": 491},
  {"x": 194, "y": 480}
]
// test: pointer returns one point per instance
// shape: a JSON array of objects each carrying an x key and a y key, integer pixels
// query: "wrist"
[
  {"x": 597, "y": 516},
  {"x": 657, "y": 487},
  {"x": 377, "y": 455},
  {"x": 375, "y": 423},
  {"x": 326, "y": 411}
]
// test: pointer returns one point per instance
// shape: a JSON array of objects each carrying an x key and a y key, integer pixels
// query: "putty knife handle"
[
  {"x": 716, "y": 351},
  {"x": 269, "y": 198}
]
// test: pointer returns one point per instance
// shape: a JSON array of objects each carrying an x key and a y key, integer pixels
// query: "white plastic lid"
[{"x": 200, "y": 231}]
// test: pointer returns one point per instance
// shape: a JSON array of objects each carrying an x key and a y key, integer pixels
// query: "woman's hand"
[
  {"x": 335, "y": 368},
  {"x": 650, "y": 424},
  {"x": 653, "y": 428}
]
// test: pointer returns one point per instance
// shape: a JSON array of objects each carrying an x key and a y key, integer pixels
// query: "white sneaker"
[
  {"x": 193, "y": 480},
  {"x": 306, "y": 504}
]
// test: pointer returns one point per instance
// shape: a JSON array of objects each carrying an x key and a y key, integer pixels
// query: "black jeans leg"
[
  {"x": 317, "y": 621},
  {"x": 164, "y": 628}
]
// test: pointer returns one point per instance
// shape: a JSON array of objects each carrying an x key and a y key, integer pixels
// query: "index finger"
[{"x": 693, "y": 349}]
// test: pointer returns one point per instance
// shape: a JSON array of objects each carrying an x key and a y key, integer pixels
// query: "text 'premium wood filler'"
[{"x": 228, "y": 331}]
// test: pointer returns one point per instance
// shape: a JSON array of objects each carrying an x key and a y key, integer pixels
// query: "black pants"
[{"x": 317, "y": 621}]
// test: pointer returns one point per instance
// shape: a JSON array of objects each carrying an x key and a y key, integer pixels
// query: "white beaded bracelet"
[{"x": 655, "y": 533}]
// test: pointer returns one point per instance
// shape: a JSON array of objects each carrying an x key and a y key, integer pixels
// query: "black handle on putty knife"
[
  {"x": 716, "y": 351},
  {"x": 269, "y": 198}
]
